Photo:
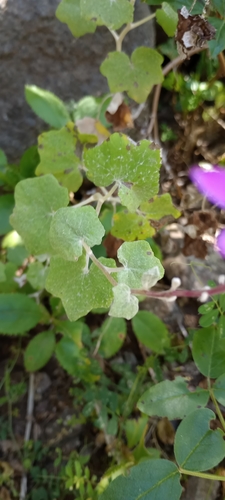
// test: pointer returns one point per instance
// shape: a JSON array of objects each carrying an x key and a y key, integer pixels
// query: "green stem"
[
  {"x": 218, "y": 411},
  {"x": 105, "y": 198},
  {"x": 130, "y": 26},
  {"x": 203, "y": 475},
  {"x": 100, "y": 266}
]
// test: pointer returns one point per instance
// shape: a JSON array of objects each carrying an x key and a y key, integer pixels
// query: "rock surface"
[{"x": 35, "y": 48}]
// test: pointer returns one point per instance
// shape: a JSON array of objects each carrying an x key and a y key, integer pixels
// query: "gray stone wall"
[{"x": 35, "y": 48}]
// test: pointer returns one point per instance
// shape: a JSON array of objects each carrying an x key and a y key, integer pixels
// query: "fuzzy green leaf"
[
  {"x": 194, "y": 437},
  {"x": 209, "y": 351},
  {"x": 80, "y": 290},
  {"x": 18, "y": 314},
  {"x": 149, "y": 480},
  {"x": 134, "y": 167},
  {"x": 131, "y": 226},
  {"x": 58, "y": 156},
  {"x": 39, "y": 351},
  {"x": 161, "y": 206},
  {"x": 167, "y": 18},
  {"x": 125, "y": 305},
  {"x": 172, "y": 399},
  {"x": 111, "y": 13},
  {"x": 141, "y": 269},
  {"x": 70, "y": 227},
  {"x": 112, "y": 334},
  {"x": 47, "y": 106},
  {"x": 37, "y": 200},
  {"x": 69, "y": 12},
  {"x": 135, "y": 75},
  {"x": 151, "y": 331}
]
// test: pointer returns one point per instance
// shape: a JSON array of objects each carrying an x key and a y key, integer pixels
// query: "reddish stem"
[{"x": 180, "y": 293}]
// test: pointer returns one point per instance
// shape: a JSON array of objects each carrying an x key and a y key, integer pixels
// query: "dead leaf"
[
  {"x": 119, "y": 114},
  {"x": 5, "y": 494},
  {"x": 92, "y": 127},
  {"x": 165, "y": 431}
]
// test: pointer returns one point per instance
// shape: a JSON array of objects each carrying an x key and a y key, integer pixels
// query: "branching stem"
[
  {"x": 130, "y": 26},
  {"x": 99, "y": 264}
]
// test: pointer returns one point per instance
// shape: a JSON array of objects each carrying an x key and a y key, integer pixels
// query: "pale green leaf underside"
[
  {"x": 37, "y": 200},
  {"x": 134, "y": 167},
  {"x": 58, "y": 156},
  {"x": 149, "y": 480},
  {"x": 71, "y": 227},
  {"x": 47, "y": 106},
  {"x": 137, "y": 75},
  {"x": 18, "y": 313},
  {"x": 172, "y": 399},
  {"x": 80, "y": 291},
  {"x": 196, "y": 446},
  {"x": 111, "y": 13},
  {"x": 69, "y": 12},
  {"x": 141, "y": 269},
  {"x": 125, "y": 305}
]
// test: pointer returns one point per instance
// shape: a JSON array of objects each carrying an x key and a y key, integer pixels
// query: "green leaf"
[
  {"x": 58, "y": 156},
  {"x": 151, "y": 331},
  {"x": 219, "y": 5},
  {"x": 112, "y": 14},
  {"x": 178, "y": 4},
  {"x": 134, "y": 167},
  {"x": 6, "y": 208},
  {"x": 161, "y": 206},
  {"x": 141, "y": 269},
  {"x": 218, "y": 45},
  {"x": 47, "y": 106},
  {"x": 71, "y": 329},
  {"x": 219, "y": 389},
  {"x": 67, "y": 353},
  {"x": 172, "y": 399},
  {"x": 135, "y": 75},
  {"x": 39, "y": 351},
  {"x": 112, "y": 334},
  {"x": 17, "y": 255},
  {"x": 167, "y": 18},
  {"x": 2, "y": 272},
  {"x": 194, "y": 437},
  {"x": 71, "y": 227},
  {"x": 205, "y": 308},
  {"x": 69, "y": 12},
  {"x": 135, "y": 429},
  {"x": 221, "y": 326},
  {"x": 36, "y": 275},
  {"x": 130, "y": 226},
  {"x": 209, "y": 352},
  {"x": 125, "y": 305},
  {"x": 209, "y": 318},
  {"x": 37, "y": 200},
  {"x": 150, "y": 480},
  {"x": 3, "y": 159},
  {"x": 80, "y": 290},
  {"x": 29, "y": 162},
  {"x": 9, "y": 285},
  {"x": 18, "y": 314}
]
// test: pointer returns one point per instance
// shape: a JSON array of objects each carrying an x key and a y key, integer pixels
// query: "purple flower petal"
[
  {"x": 211, "y": 183},
  {"x": 220, "y": 242}
]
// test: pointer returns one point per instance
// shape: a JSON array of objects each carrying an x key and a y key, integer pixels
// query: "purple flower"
[{"x": 210, "y": 181}]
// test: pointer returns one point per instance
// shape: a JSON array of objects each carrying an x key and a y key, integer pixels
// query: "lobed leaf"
[
  {"x": 135, "y": 168},
  {"x": 111, "y": 13},
  {"x": 141, "y": 269},
  {"x": 71, "y": 227},
  {"x": 58, "y": 156},
  {"x": 135, "y": 75},
  {"x": 125, "y": 305},
  {"x": 131, "y": 226},
  {"x": 161, "y": 206},
  {"x": 69, "y": 12},
  {"x": 80, "y": 290},
  {"x": 37, "y": 200}
]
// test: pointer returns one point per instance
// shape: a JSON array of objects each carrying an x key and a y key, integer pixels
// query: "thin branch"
[
  {"x": 29, "y": 418},
  {"x": 180, "y": 293},
  {"x": 99, "y": 264}
]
